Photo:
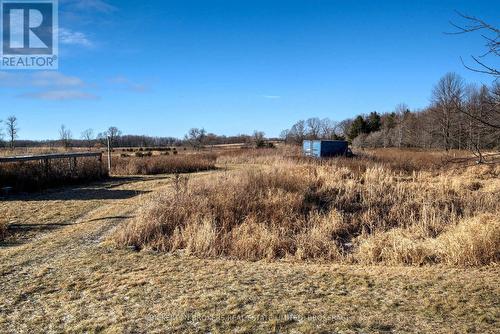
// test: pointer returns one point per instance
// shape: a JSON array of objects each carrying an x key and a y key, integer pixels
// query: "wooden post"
[
  {"x": 109, "y": 155},
  {"x": 99, "y": 158},
  {"x": 73, "y": 168}
]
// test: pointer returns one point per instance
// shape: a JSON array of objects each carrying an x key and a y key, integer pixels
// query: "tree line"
[
  {"x": 196, "y": 138},
  {"x": 459, "y": 116}
]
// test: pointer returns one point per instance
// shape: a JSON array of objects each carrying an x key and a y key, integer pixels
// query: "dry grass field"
[
  {"x": 163, "y": 164},
  {"x": 389, "y": 242},
  {"x": 349, "y": 211}
]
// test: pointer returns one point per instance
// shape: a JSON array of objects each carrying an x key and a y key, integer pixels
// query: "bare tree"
[
  {"x": 285, "y": 135},
  {"x": 65, "y": 136},
  {"x": 490, "y": 116},
  {"x": 113, "y": 133},
  {"x": 328, "y": 129},
  {"x": 447, "y": 99},
  {"x": 343, "y": 127},
  {"x": 313, "y": 127},
  {"x": 491, "y": 36},
  {"x": 196, "y": 137},
  {"x": 12, "y": 129},
  {"x": 298, "y": 132},
  {"x": 401, "y": 112},
  {"x": 259, "y": 139},
  {"x": 1, "y": 133},
  {"x": 88, "y": 136},
  {"x": 477, "y": 109}
]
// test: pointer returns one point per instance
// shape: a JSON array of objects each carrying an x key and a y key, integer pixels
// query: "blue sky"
[{"x": 161, "y": 67}]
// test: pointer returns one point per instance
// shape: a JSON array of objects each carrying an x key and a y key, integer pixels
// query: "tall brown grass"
[
  {"x": 33, "y": 175},
  {"x": 341, "y": 210},
  {"x": 163, "y": 164}
]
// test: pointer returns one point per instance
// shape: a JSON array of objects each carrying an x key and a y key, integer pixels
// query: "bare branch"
[{"x": 492, "y": 43}]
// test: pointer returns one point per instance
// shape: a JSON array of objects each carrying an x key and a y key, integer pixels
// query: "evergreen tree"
[
  {"x": 358, "y": 127},
  {"x": 373, "y": 122}
]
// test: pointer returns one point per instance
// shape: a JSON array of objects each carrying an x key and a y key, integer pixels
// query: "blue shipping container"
[{"x": 325, "y": 148}]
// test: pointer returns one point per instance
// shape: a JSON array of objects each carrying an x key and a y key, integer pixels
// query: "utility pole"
[{"x": 109, "y": 155}]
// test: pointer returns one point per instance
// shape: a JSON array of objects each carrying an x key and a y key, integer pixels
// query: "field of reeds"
[{"x": 389, "y": 207}]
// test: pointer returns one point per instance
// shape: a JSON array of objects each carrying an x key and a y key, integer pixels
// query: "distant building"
[{"x": 326, "y": 148}]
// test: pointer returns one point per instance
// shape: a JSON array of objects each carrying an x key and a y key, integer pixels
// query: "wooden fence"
[{"x": 46, "y": 158}]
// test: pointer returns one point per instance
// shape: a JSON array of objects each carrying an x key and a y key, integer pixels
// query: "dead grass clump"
[
  {"x": 473, "y": 242},
  {"x": 395, "y": 247},
  {"x": 152, "y": 165},
  {"x": 316, "y": 242}
]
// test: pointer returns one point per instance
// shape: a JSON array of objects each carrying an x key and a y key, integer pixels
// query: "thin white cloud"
[
  {"x": 45, "y": 79},
  {"x": 89, "y": 5},
  {"x": 69, "y": 37},
  {"x": 55, "y": 79},
  {"x": 119, "y": 79},
  {"x": 48, "y": 85},
  {"x": 139, "y": 88},
  {"x": 60, "y": 95},
  {"x": 274, "y": 97},
  {"x": 11, "y": 79},
  {"x": 128, "y": 84}
]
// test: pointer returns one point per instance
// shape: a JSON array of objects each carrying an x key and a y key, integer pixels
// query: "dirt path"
[
  {"x": 48, "y": 227},
  {"x": 69, "y": 278}
]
